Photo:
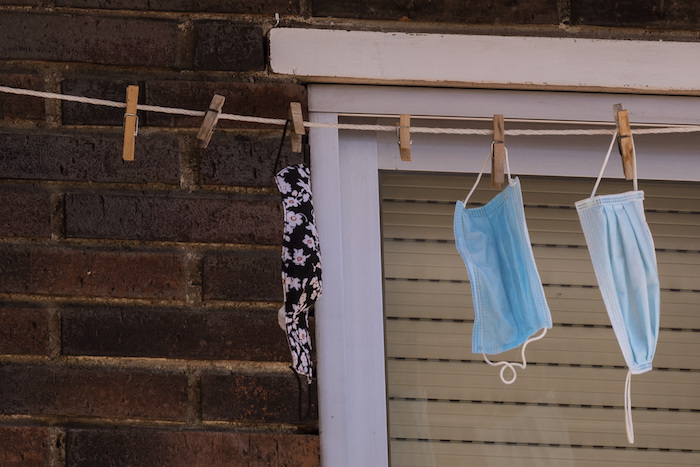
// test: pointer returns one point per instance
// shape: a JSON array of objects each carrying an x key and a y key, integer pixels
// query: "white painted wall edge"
[{"x": 488, "y": 61}]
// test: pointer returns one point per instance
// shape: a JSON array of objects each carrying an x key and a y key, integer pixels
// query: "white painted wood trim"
[
  {"x": 536, "y": 105},
  {"x": 486, "y": 61},
  {"x": 662, "y": 157},
  {"x": 350, "y": 314},
  {"x": 330, "y": 308}
]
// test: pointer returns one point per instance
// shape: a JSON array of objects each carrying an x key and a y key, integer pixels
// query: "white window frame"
[{"x": 345, "y": 167}]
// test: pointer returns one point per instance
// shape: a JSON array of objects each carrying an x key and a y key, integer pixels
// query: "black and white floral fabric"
[{"x": 301, "y": 263}]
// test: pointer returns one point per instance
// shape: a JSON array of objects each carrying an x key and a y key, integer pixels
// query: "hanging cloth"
[
  {"x": 509, "y": 301},
  {"x": 624, "y": 260},
  {"x": 301, "y": 262}
]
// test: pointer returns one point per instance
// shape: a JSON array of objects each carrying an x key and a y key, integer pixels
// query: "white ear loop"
[
  {"x": 629, "y": 427},
  {"x": 605, "y": 163},
  {"x": 479, "y": 176},
  {"x": 481, "y": 172},
  {"x": 512, "y": 365}
]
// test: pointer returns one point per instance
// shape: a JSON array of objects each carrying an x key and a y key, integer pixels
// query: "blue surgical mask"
[
  {"x": 509, "y": 301},
  {"x": 624, "y": 260}
]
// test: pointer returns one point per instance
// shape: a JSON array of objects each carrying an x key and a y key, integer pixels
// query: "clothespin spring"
[
  {"x": 136, "y": 127},
  {"x": 398, "y": 136}
]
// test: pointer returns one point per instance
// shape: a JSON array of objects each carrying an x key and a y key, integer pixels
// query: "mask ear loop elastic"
[
  {"x": 629, "y": 427},
  {"x": 510, "y": 179},
  {"x": 605, "y": 163},
  {"x": 479, "y": 176},
  {"x": 512, "y": 365},
  {"x": 634, "y": 165},
  {"x": 481, "y": 172}
]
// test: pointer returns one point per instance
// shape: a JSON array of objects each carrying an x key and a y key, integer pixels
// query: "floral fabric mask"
[{"x": 301, "y": 263}]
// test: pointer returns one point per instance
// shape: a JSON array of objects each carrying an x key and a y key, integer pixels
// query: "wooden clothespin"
[
  {"x": 131, "y": 122},
  {"x": 298, "y": 130},
  {"x": 404, "y": 134},
  {"x": 624, "y": 140},
  {"x": 210, "y": 120},
  {"x": 499, "y": 151}
]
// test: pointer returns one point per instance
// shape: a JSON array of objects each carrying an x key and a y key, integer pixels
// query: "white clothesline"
[{"x": 344, "y": 126}]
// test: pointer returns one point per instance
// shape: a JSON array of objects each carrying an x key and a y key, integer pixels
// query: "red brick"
[
  {"x": 630, "y": 13},
  {"x": 157, "y": 216},
  {"x": 259, "y": 100},
  {"x": 18, "y": 107},
  {"x": 256, "y": 398},
  {"x": 147, "y": 448},
  {"x": 224, "y": 46},
  {"x": 173, "y": 333},
  {"x": 92, "y": 392},
  {"x": 23, "y": 330},
  {"x": 25, "y": 212},
  {"x": 214, "y": 6},
  {"x": 298, "y": 451},
  {"x": 91, "y": 272},
  {"x": 76, "y": 38},
  {"x": 244, "y": 160},
  {"x": 24, "y": 446},
  {"x": 94, "y": 156},
  {"x": 497, "y": 11},
  {"x": 242, "y": 276}
]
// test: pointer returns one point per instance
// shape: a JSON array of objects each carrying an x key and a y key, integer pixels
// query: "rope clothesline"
[{"x": 344, "y": 126}]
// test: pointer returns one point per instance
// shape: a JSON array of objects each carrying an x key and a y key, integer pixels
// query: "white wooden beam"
[{"x": 486, "y": 61}]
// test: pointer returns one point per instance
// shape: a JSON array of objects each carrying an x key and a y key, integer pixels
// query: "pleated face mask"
[
  {"x": 509, "y": 301},
  {"x": 624, "y": 260}
]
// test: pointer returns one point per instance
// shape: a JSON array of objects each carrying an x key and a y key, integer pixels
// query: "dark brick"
[
  {"x": 17, "y": 107},
  {"x": 92, "y": 392},
  {"x": 472, "y": 11},
  {"x": 244, "y": 159},
  {"x": 73, "y": 38},
  {"x": 214, "y": 6},
  {"x": 146, "y": 448},
  {"x": 91, "y": 272},
  {"x": 23, "y": 330},
  {"x": 242, "y": 276},
  {"x": 15, "y": 270},
  {"x": 173, "y": 333},
  {"x": 25, "y": 212},
  {"x": 256, "y": 398},
  {"x": 259, "y": 100},
  {"x": 636, "y": 13},
  {"x": 21, "y": 2},
  {"x": 24, "y": 446},
  {"x": 157, "y": 216},
  {"x": 76, "y": 113},
  {"x": 223, "y": 46},
  {"x": 95, "y": 157}
]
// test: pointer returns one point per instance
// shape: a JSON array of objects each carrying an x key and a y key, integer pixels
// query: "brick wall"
[{"x": 138, "y": 300}]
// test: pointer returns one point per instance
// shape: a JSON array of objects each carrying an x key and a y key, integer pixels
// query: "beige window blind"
[{"x": 449, "y": 408}]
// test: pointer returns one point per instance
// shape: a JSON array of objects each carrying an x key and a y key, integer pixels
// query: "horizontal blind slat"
[
  {"x": 541, "y": 384},
  {"x": 562, "y": 345},
  {"x": 420, "y": 454},
  {"x": 540, "y": 424}
]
